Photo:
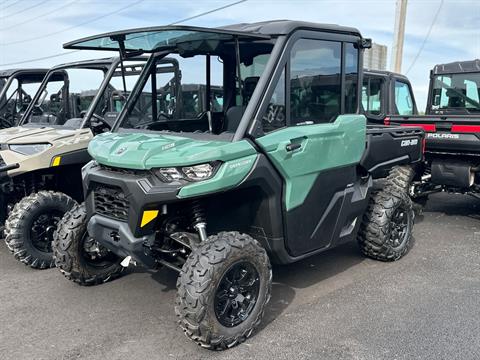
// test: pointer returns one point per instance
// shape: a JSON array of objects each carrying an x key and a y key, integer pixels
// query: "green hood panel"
[
  {"x": 147, "y": 151},
  {"x": 230, "y": 174}
]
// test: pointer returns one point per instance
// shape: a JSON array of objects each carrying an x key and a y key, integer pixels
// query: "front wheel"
[
  {"x": 78, "y": 256},
  {"x": 223, "y": 289},
  {"x": 30, "y": 227},
  {"x": 386, "y": 230}
]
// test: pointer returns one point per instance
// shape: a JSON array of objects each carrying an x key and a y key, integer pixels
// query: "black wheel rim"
[
  {"x": 400, "y": 227},
  {"x": 94, "y": 254},
  {"x": 43, "y": 228},
  {"x": 237, "y": 293}
]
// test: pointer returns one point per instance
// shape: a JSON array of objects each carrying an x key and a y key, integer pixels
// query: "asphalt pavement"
[{"x": 337, "y": 305}]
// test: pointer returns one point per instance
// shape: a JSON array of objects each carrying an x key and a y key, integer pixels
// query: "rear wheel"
[
  {"x": 30, "y": 227},
  {"x": 386, "y": 230},
  {"x": 223, "y": 289},
  {"x": 400, "y": 178},
  {"x": 78, "y": 256}
]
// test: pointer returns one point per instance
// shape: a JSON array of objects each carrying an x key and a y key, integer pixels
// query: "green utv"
[
  {"x": 40, "y": 160},
  {"x": 284, "y": 171}
]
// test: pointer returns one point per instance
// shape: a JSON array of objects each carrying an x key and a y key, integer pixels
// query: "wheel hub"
[
  {"x": 237, "y": 294},
  {"x": 399, "y": 227},
  {"x": 43, "y": 228}
]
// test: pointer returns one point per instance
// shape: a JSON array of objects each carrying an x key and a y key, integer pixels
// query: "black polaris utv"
[
  {"x": 17, "y": 87},
  {"x": 283, "y": 171}
]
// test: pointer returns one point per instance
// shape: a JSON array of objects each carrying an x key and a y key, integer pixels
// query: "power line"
[
  {"x": 426, "y": 38},
  {"x": 174, "y": 23},
  {"x": 208, "y": 12},
  {"x": 41, "y": 58},
  {"x": 25, "y": 9},
  {"x": 74, "y": 26},
  {"x": 39, "y": 16}
]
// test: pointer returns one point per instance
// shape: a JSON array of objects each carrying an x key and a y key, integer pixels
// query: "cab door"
[{"x": 311, "y": 142}]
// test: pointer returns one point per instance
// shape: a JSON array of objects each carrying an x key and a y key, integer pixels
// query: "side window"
[
  {"x": 275, "y": 115},
  {"x": 351, "y": 78},
  {"x": 315, "y": 81},
  {"x": 403, "y": 99},
  {"x": 372, "y": 96}
]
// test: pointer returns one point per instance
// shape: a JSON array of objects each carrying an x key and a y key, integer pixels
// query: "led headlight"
[
  {"x": 198, "y": 172},
  {"x": 170, "y": 174},
  {"x": 189, "y": 173},
  {"x": 29, "y": 149}
]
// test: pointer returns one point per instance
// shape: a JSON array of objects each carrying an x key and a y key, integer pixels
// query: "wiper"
[{"x": 459, "y": 93}]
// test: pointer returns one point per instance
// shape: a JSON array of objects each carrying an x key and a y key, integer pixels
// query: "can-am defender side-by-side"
[
  {"x": 40, "y": 175},
  {"x": 17, "y": 87},
  {"x": 284, "y": 171}
]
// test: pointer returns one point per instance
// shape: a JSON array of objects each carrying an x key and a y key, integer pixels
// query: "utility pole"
[{"x": 398, "y": 35}]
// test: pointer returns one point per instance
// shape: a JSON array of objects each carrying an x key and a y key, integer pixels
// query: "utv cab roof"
[
  {"x": 152, "y": 39},
  {"x": 24, "y": 75},
  {"x": 457, "y": 67},
  {"x": 384, "y": 73}
]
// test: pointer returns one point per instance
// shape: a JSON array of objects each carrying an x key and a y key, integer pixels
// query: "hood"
[
  {"x": 30, "y": 135},
  {"x": 146, "y": 151}
]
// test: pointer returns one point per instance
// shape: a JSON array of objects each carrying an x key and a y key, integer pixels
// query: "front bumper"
[
  {"x": 117, "y": 237},
  {"x": 140, "y": 190}
]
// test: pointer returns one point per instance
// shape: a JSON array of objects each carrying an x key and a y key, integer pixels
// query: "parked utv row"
[{"x": 223, "y": 151}]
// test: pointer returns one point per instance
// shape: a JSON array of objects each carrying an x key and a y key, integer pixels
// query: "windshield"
[
  {"x": 457, "y": 92},
  {"x": 68, "y": 94},
  {"x": 157, "y": 38},
  {"x": 210, "y": 95}
]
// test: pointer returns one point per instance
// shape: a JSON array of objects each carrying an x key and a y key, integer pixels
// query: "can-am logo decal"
[
  {"x": 442, "y": 136},
  {"x": 411, "y": 142},
  {"x": 121, "y": 150}
]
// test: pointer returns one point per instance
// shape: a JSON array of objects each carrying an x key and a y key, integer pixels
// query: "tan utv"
[{"x": 42, "y": 158}]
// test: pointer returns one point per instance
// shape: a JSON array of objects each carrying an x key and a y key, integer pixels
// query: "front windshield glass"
[
  {"x": 207, "y": 96},
  {"x": 457, "y": 92}
]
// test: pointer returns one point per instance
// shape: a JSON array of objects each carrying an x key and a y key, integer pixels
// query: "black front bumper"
[
  {"x": 117, "y": 237},
  {"x": 141, "y": 191}
]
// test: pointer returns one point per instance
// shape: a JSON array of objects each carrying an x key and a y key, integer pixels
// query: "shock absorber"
[{"x": 199, "y": 222}]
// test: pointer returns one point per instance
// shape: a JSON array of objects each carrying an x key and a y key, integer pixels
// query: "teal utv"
[{"x": 284, "y": 169}]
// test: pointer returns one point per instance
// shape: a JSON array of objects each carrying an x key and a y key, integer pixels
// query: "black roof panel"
[{"x": 457, "y": 67}]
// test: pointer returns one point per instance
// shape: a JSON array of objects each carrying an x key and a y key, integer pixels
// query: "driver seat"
[{"x": 234, "y": 114}]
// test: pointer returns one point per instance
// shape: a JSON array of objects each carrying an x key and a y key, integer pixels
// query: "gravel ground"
[{"x": 337, "y": 305}]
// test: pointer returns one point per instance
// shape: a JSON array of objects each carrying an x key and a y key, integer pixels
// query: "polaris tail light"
[{"x": 386, "y": 121}]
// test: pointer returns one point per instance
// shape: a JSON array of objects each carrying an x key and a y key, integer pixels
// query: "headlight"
[
  {"x": 170, "y": 174},
  {"x": 29, "y": 149},
  {"x": 188, "y": 173},
  {"x": 198, "y": 172}
]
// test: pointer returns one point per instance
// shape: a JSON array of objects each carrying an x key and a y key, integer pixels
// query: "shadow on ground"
[{"x": 454, "y": 205}]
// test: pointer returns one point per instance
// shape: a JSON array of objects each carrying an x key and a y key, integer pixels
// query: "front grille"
[
  {"x": 111, "y": 202},
  {"x": 123, "y": 170}
]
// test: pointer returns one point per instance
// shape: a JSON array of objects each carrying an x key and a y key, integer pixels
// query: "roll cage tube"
[{"x": 111, "y": 68}]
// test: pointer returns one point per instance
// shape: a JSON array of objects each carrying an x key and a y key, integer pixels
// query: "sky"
[{"x": 31, "y": 29}]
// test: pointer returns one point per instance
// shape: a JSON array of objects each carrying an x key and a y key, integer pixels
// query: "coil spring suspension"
[{"x": 199, "y": 221}]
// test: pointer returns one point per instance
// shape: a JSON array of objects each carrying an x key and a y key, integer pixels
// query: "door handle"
[{"x": 293, "y": 146}]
